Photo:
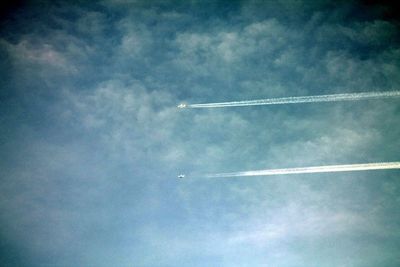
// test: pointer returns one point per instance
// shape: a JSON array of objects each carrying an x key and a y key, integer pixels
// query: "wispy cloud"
[{"x": 91, "y": 139}]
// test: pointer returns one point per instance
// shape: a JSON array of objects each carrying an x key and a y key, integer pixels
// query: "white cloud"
[
  {"x": 39, "y": 54},
  {"x": 296, "y": 221},
  {"x": 112, "y": 116}
]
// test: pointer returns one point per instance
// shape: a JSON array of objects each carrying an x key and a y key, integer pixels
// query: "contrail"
[
  {"x": 316, "y": 169},
  {"x": 297, "y": 100}
]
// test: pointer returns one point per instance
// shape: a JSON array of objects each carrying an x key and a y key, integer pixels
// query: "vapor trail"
[
  {"x": 316, "y": 169},
  {"x": 297, "y": 100}
]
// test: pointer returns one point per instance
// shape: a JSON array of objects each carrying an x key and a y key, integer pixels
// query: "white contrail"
[
  {"x": 297, "y": 100},
  {"x": 316, "y": 169}
]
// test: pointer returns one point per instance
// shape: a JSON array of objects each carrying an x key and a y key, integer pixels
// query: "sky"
[{"x": 91, "y": 140}]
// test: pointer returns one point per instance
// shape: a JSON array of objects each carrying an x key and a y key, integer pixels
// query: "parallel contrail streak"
[
  {"x": 316, "y": 169},
  {"x": 300, "y": 99}
]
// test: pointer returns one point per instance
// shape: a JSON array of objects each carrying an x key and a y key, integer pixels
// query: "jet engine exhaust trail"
[
  {"x": 297, "y": 100},
  {"x": 316, "y": 169}
]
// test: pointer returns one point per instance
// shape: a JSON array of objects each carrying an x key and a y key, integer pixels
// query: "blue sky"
[{"x": 91, "y": 140}]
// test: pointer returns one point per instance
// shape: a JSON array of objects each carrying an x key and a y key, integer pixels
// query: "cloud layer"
[{"x": 92, "y": 142}]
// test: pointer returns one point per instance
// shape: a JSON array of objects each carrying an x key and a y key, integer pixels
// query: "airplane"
[
  {"x": 182, "y": 105},
  {"x": 181, "y": 176}
]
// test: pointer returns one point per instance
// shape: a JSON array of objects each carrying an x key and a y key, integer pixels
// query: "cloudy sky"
[{"x": 91, "y": 141}]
